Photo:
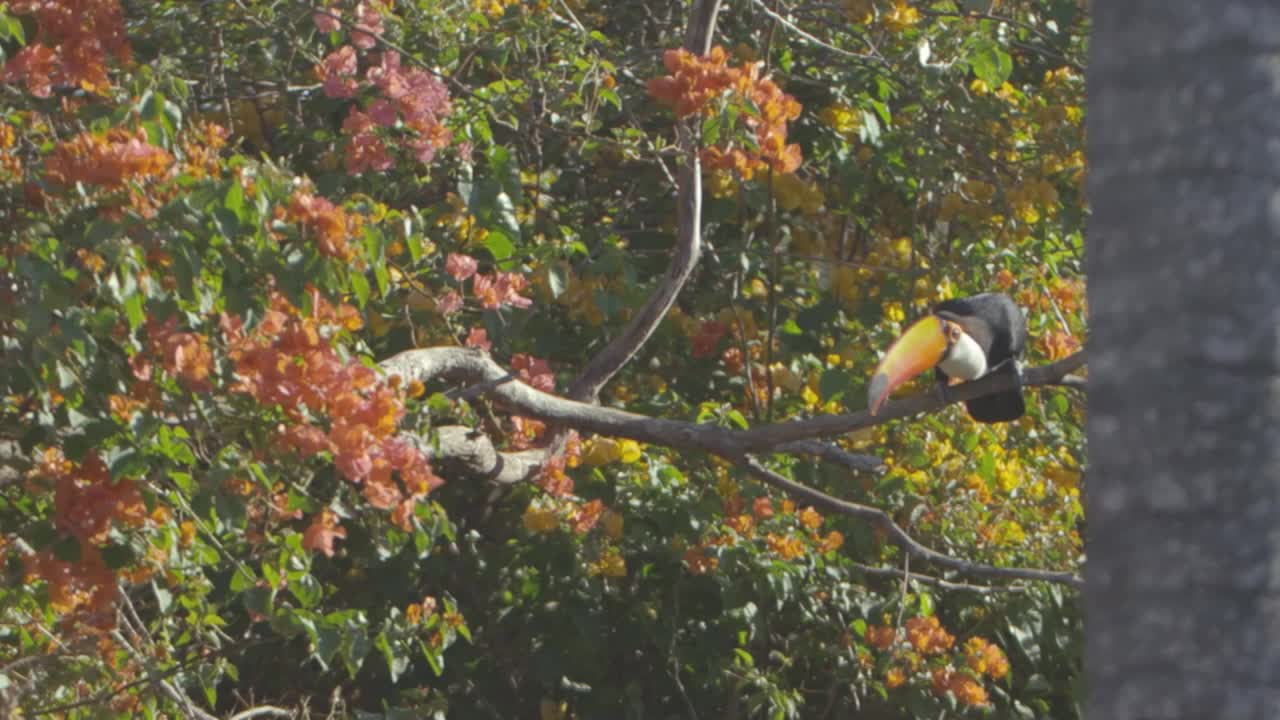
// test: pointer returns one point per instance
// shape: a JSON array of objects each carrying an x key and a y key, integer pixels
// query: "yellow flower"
[
  {"x": 540, "y": 520},
  {"x": 610, "y": 564},
  {"x": 601, "y": 451},
  {"x": 629, "y": 451},
  {"x": 901, "y": 17},
  {"x": 721, "y": 184},
  {"x": 843, "y": 119}
]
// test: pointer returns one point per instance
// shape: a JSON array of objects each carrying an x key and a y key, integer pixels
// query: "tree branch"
[
  {"x": 688, "y": 248},
  {"x": 473, "y": 453},
  {"x": 834, "y": 454},
  {"x": 896, "y": 574},
  {"x": 881, "y": 520},
  {"x": 460, "y": 450},
  {"x": 465, "y": 365}
]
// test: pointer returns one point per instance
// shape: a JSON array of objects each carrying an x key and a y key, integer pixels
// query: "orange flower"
[
  {"x": 324, "y": 529},
  {"x": 895, "y": 677},
  {"x": 762, "y": 508},
  {"x": 968, "y": 690},
  {"x": 787, "y": 548},
  {"x": 984, "y": 658},
  {"x": 694, "y": 82},
  {"x": 75, "y": 40},
  {"x": 744, "y": 525},
  {"x": 585, "y": 517},
  {"x": 927, "y": 635},
  {"x": 881, "y": 637},
  {"x": 698, "y": 562},
  {"x": 109, "y": 159},
  {"x": 709, "y": 334},
  {"x": 1058, "y": 344},
  {"x": 832, "y": 542},
  {"x": 810, "y": 518},
  {"x": 328, "y": 225}
]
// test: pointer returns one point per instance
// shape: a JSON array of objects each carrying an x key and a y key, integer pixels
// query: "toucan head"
[{"x": 931, "y": 341}]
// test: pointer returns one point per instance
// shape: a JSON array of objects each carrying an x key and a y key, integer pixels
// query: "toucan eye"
[{"x": 953, "y": 331}]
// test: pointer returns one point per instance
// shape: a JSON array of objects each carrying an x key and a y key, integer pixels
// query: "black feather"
[{"x": 996, "y": 323}]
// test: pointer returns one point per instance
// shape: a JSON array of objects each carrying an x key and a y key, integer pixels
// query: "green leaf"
[
  {"x": 499, "y": 245},
  {"x": 133, "y": 310},
  {"x": 360, "y": 287},
  {"x": 128, "y": 464},
  {"x": 12, "y": 27},
  {"x": 118, "y": 555},
  {"x": 992, "y": 65},
  {"x": 234, "y": 199},
  {"x": 834, "y": 383},
  {"x": 926, "y": 604},
  {"x": 242, "y": 580}
]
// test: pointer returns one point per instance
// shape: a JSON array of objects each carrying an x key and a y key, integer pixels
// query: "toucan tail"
[{"x": 1000, "y": 407}]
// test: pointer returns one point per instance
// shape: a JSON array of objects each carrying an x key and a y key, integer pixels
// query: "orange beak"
[{"x": 921, "y": 347}]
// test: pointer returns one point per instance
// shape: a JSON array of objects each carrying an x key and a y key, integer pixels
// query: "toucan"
[{"x": 962, "y": 339}]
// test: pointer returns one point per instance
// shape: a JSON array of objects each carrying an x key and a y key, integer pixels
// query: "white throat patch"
[{"x": 965, "y": 359}]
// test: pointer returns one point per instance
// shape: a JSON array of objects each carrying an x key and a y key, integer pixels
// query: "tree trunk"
[{"x": 1183, "y": 576}]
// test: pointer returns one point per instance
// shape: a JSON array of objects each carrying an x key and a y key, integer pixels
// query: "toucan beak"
[{"x": 921, "y": 347}]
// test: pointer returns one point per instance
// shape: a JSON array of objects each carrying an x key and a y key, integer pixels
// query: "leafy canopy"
[{"x": 220, "y": 217}]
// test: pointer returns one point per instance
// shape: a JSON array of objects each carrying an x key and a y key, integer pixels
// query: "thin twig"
[
  {"x": 900, "y": 537},
  {"x": 810, "y": 38},
  {"x": 624, "y": 346},
  {"x": 895, "y": 573}
]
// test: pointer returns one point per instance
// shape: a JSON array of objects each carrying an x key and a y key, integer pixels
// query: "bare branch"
[
  {"x": 881, "y": 520},
  {"x": 835, "y": 454},
  {"x": 462, "y": 451},
  {"x": 474, "y": 453},
  {"x": 1074, "y": 382},
  {"x": 465, "y": 365},
  {"x": 688, "y": 247},
  {"x": 262, "y": 711},
  {"x": 810, "y": 38},
  {"x": 896, "y": 574}
]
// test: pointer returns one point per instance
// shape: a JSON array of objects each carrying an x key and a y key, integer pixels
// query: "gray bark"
[{"x": 1183, "y": 500}]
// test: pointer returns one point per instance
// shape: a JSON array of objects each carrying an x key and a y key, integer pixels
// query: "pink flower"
[
  {"x": 499, "y": 289},
  {"x": 387, "y": 76},
  {"x": 355, "y": 466},
  {"x": 366, "y": 152},
  {"x": 337, "y": 71},
  {"x": 383, "y": 113},
  {"x": 449, "y": 304},
  {"x": 424, "y": 149},
  {"x": 425, "y": 100},
  {"x": 460, "y": 266},
  {"x": 368, "y": 20},
  {"x": 325, "y": 21},
  {"x": 535, "y": 372},
  {"x": 479, "y": 338}
]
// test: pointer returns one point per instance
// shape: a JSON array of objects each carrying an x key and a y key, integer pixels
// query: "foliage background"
[{"x": 219, "y": 216}]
